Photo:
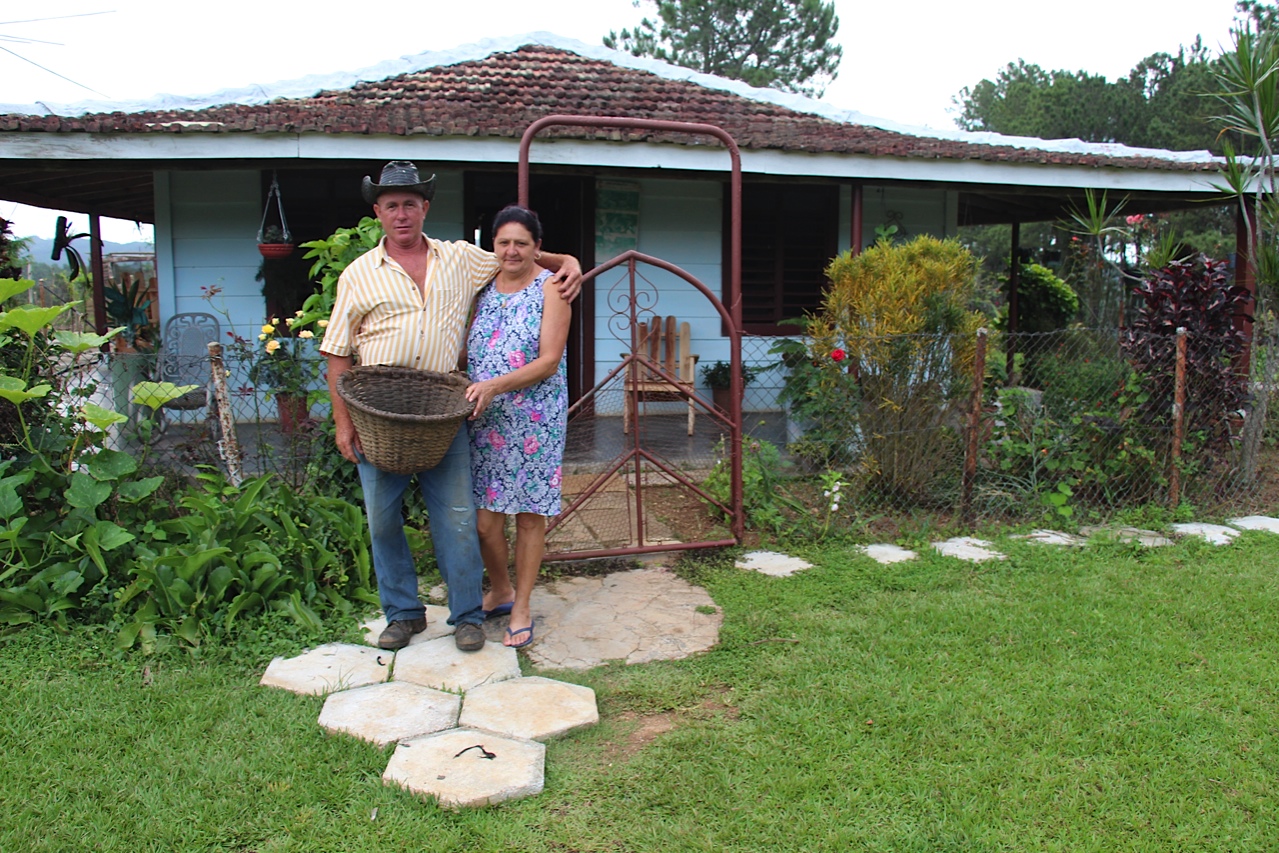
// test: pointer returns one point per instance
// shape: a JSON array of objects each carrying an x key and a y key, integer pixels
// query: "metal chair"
[{"x": 184, "y": 358}]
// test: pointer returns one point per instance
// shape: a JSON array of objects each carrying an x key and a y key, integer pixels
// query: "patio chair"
[
  {"x": 664, "y": 342},
  {"x": 184, "y": 359}
]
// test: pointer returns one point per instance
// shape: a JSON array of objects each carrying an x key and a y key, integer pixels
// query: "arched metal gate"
[{"x": 646, "y": 488}]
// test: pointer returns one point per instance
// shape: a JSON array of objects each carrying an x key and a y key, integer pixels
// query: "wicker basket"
[{"x": 405, "y": 418}]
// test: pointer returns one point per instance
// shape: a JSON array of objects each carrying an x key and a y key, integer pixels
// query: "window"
[{"x": 789, "y": 235}]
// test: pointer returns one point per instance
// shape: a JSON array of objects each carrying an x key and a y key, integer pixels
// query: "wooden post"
[
  {"x": 1014, "y": 283},
  {"x": 99, "y": 274},
  {"x": 229, "y": 443},
  {"x": 974, "y": 430},
  {"x": 1178, "y": 420},
  {"x": 855, "y": 238}
]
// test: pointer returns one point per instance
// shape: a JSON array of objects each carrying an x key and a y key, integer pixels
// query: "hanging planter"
[{"x": 274, "y": 241}]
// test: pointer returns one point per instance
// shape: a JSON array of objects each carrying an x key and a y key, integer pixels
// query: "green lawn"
[{"x": 1105, "y": 699}]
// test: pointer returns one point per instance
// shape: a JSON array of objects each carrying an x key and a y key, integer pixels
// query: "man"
[{"x": 405, "y": 303}]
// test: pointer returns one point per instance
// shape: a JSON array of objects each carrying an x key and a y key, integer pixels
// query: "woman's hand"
[{"x": 481, "y": 394}]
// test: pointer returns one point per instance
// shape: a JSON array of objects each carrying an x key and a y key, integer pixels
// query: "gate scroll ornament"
[{"x": 629, "y": 302}]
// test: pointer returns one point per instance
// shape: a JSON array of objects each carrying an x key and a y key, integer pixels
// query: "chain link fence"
[{"x": 1076, "y": 424}]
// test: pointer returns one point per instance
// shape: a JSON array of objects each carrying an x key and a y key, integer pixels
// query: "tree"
[
  {"x": 1158, "y": 105},
  {"x": 782, "y": 44}
]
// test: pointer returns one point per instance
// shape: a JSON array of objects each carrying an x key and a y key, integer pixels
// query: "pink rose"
[
  {"x": 557, "y": 478},
  {"x": 516, "y": 359},
  {"x": 496, "y": 441},
  {"x": 531, "y": 445}
]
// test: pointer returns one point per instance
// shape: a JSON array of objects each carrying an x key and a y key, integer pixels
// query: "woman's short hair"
[{"x": 521, "y": 216}]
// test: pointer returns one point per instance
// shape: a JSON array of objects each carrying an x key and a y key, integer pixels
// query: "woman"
[{"x": 520, "y": 390}]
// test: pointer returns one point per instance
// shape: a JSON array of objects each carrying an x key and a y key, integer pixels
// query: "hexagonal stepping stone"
[
  {"x": 887, "y": 554},
  {"x": 456, "y": 769},
  {"x": 967, "y": 548},
  {"x": 436, "y": 626},
  {"x": 1148, "y": 538},
  {"x": 1216, "y": 534},
  {"x": 385, "y": 713},
  {"x": 336, "y": 666},
  {"x": 1052, "y": 537},
  {"x": 1256, "y": 522},
  {"x": 535, "y": 708},
  {"x": 439, "y": 664},
  {"x": 772, "y": 563}
]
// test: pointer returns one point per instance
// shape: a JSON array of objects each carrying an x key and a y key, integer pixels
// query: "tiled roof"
[{"x": 502, "y": 93}]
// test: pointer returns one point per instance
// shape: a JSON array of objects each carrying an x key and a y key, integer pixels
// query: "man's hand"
[
  {"x": 481, "y": 394},
  {"x": 568, "y": 279},
  {"x": 348, "y": 440}
]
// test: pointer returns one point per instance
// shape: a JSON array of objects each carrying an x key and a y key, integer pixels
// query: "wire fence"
[
  {"x": 1077, "y": 424},
  {"x": 1080, "y": 424}
]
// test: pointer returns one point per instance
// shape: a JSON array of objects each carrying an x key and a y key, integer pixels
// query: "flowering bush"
[{"x": 286, "y": 364}]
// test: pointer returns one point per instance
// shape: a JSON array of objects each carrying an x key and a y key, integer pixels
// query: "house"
[{"x": 817, "y": 180}]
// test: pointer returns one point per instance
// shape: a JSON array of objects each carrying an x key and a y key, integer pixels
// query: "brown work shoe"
[
  {"x": 469, "y": 638},
  {"x": 399, "y": 632}
]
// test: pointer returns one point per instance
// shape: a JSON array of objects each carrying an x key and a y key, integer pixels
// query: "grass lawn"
[{"x": 1101, "y": 699}]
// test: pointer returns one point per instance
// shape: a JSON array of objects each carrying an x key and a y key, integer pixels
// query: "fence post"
[
  {"x": 974, "y": 430},
  {"x": 228, "y": 444},
  {"x": 1178, "y": 420}
]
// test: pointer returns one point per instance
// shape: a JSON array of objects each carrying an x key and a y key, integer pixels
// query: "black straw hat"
[{"x": 400, "y": 175}]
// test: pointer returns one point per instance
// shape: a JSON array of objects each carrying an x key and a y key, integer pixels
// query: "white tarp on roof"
[{"x": 305, "y": 87}]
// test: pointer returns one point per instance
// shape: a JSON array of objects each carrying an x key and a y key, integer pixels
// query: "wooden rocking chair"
[{"x": 666, "y": 344}]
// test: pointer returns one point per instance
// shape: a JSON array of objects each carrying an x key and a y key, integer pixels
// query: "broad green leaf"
[
  {"x": 156, "y": 394},
  {"x": 10, "y": 503},
  {"x": 100, "y": 417},
  {"x": 189, "y": 630},
  {"x": 135, "y": 490},
  {"x": 112, "y": 535},
  {"x": 89, "y": 542},
  {"x": 16, "y": 391},
  {"x": 78, "y": 342},
  {"x": 111, "y": 465},
  {"x": 30, "y": 318},
  {"x": 85, "y": 492},
  {"x": 10, "y": 287}
]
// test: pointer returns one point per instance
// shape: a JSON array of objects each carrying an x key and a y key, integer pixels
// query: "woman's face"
[{"x": 514, "y": 247}]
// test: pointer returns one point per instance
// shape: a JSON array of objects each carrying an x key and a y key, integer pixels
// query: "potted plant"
[
  {"x": 718, "y": 376},
  {"x": 275, "y": 242},
  {"x": 287, "y": 370}
]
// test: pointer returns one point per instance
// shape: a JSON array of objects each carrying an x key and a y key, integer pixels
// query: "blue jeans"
[{"x": 450, "y": 506}]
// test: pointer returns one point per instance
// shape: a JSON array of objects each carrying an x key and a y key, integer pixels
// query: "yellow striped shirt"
[{"x": 381, "y": 317}]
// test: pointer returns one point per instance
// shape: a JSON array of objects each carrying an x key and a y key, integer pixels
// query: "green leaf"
[
  {"x": 156, "y": 394},
  {"x": 135, "y": 490},
  {"x": 15, "y": 390},
  {"x": 100, "y": 417},
  {"x": 112, "y": 535},
  {"x": 189, "y": 630},
  {"x": 85, "y": 492},
  {"x": 30, "y": 318},
  {"x": 111, "y": 465},
  {"x": 79, "y": 342},
  {"x": 11, "y": 287},
  {"x": 10, "y": 503}
]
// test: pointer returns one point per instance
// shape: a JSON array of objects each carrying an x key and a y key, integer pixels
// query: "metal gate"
[{"x": 632, "y": 483}]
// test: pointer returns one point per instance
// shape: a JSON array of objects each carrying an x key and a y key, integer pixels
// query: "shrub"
[
  {"x": 1197, "y": 296},
  {"x": 1045, "y": 302},
  {"x": 901, "y": 315}
]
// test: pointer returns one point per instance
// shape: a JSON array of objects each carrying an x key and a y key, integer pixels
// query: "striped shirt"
[{"x": 381, "y": 317}]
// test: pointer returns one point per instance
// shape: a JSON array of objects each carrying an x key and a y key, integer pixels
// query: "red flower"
[{"x": 838, "y": 355}]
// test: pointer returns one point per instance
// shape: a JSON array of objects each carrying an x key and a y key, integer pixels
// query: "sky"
[{"x": 902, "y": 61}]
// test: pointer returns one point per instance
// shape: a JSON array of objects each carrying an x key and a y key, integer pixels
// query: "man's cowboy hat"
[{"x": 398, "y": 175}]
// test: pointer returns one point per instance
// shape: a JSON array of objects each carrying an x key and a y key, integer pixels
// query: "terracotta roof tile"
[{"x": 502, "y": 94}]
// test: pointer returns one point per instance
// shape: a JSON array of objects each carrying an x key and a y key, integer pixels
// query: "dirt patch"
[
  {"x": 690, "y": 517},
  {"x": 643, "y": 729}
]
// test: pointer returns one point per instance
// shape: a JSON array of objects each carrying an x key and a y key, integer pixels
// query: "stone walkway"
[{"x": 469, "y": 727}]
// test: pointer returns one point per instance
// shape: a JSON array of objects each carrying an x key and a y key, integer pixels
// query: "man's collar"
[{"x": 384, "y": 256}]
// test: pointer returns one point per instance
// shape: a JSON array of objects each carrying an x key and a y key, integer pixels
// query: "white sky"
[{"x": 902, "y": 61}]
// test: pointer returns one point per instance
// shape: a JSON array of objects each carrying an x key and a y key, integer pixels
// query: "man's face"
[{"x": 401, "y": 215}]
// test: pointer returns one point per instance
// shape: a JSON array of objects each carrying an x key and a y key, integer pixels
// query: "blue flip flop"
[
  {"x": 513, "y": 634},
  {"x": 500, "y": 610}
]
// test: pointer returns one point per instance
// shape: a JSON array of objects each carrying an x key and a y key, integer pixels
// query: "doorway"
[{"x": 566, "y": 206}]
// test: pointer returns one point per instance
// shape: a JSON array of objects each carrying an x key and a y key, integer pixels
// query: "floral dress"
[{"x": 517, "y": 444}]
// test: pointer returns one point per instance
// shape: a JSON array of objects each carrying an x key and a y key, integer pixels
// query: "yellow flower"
[
  {"x": 272, "y": 345},
  {"x": 306, "y": 333},
  {"x": 262, "y": 337},
  {"x": 323, "y": 324},
  {"x": 268, "y": 329},
  {"x": 275, "y": 321},
  {"x": 297, "y": 313}
]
